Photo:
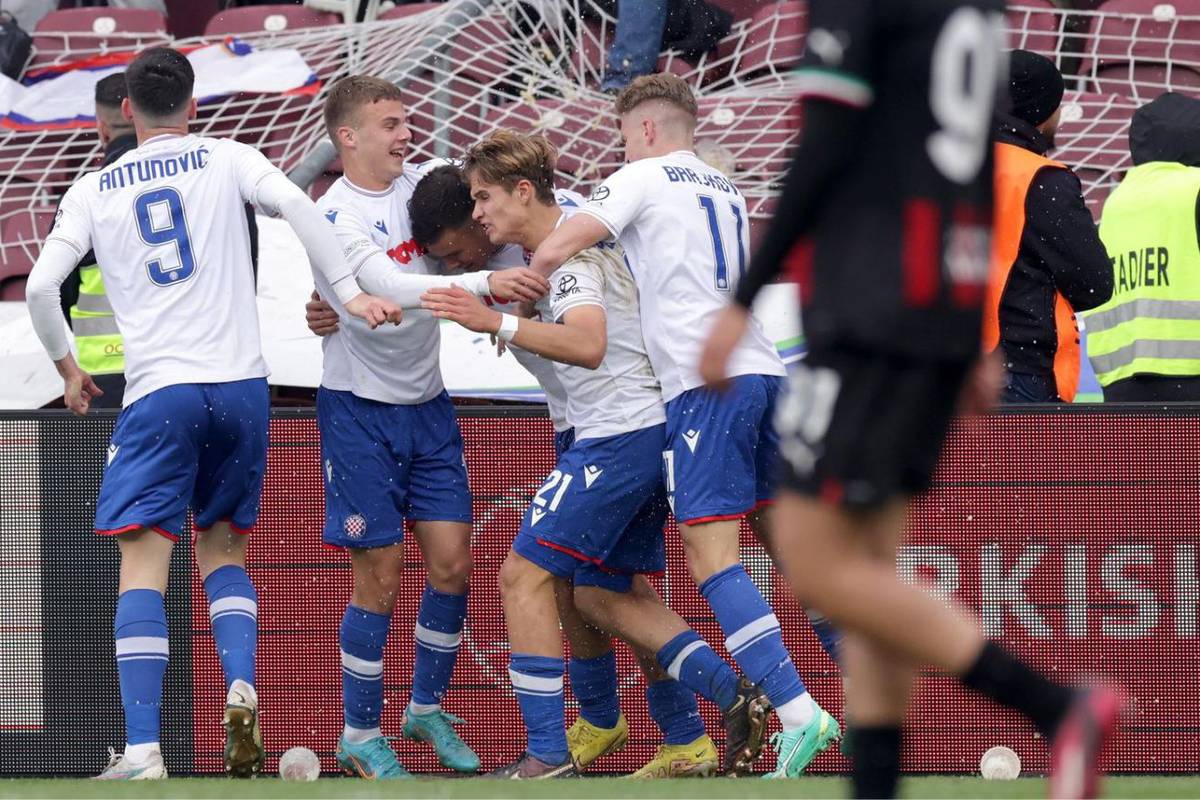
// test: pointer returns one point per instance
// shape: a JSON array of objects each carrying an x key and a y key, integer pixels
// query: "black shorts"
[{"x": 859, "y": 428}]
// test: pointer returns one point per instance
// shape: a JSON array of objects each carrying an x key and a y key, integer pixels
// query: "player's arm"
[
  {"x": 572, "y": 237},
  {"x": 614, "y": 204},
  {"x": 378, "y": 275},
  {"x": 67, "y": 243}
]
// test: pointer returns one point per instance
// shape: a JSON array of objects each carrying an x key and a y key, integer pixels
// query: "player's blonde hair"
[
  {"x": 661, "y": 86},
  {"x": 506, "y": 158},
  {"x": 350, "y": 94}
]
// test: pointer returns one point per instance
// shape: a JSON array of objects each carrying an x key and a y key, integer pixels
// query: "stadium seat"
[
  {"x": 774, "y": 40},
  {"x": 407, "y": 10},
  {"x": 584, "y": 131},
  {"x": 268, "y": 19},
  {"x": 12, "y": 290},
  {"x": 78, "y": 33},
  {"x": 758, "y": 131},
  {"x": 1034, "y": 25},
  {"x": 22, "y": 235},
  {"x": 1093, "y": 139},
  {"x": 1142, "y": 48},
  {"x": 741, "y": 9}
]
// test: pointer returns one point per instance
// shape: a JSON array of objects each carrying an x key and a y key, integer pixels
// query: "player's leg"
[
  {"x": 229, "y": 481},
  {"x": 365, "y": 478},
  {"x": 143, "y": 500},
  {"x": 439, "y": 503},
  {"x": 601, "y": 728},
  {"x": 686, "y": 751},
  {"x": 713, "y": 467}
]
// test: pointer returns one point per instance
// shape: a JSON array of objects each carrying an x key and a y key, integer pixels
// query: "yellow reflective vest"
[
  {"x": 1151, "y": 326},
  {"x": 101, "y": 349}
]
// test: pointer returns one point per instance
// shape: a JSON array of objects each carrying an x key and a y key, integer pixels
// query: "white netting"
[{"x": 470, "y": 65}]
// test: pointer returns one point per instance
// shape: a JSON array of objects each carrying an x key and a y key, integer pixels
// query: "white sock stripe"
[
  {"x": 368, "y": 669},
  {"x": 751, "y": 631},
  {"x": 752, "y": 642},
  {"x": 142, "y": 657},
  {"x": 236, "y": 613},
  {"x": 676, "y": 665},
  {"x": 531, "y": 684},
  {"x": 367, "y": 678},
  {"x": 225, "y": 604},
  {"x": 436, "y": 640},
  {"x": 142, "y": 645}
]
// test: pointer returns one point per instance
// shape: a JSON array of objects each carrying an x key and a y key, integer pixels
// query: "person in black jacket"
[{"x": 1060, "y": 249}]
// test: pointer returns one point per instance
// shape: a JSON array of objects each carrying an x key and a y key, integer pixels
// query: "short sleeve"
[
  {"x": 619, "y": 199},
  {"x": 838, "y": 52},
  {"x": 353, "y": 236},
  {"x": 251, "y": 168},
  {"x": 73, "y": 222},
  {"x": 578, "y": 282}
]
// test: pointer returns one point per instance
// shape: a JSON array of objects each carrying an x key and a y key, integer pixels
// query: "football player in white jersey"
[
  {"x": 685, "y": 228},
  {"x": 597, "y": 522},
  {"x": 390, "y": 442},
  {"x": 166, "y": 221}
]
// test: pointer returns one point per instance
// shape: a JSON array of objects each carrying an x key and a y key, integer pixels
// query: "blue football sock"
[
  {"x": 438, "y": 634},
  {"x": 829, "y": 636},
  {"x": 688, "y": 659},
  {"x": 594, "y": 682},
  {"x": 673, "y": 709},
  {"x": 363, "y": 635},
  {"x": 538, "y": 683},
  {"x": 233, "y": 609},
  {"x": 140, "y": 630},
  {"x": 752, "y": 634}
]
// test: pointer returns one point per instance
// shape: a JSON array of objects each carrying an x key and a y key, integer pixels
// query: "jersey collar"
[{"x": 367, "y": 192}]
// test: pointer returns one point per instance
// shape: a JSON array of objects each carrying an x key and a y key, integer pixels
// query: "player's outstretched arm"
[
  {"x": 580, "y": 340},
  {"x": 42, "y": 295},
  {"x": 575, "y": 235}
]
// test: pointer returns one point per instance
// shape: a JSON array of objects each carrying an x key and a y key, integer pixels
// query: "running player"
[
  {"x": 685, "y": 228},
  {"x": 890, "y": 195},
  {"x": 390, "y": 442},
  {"x": 168, "y": 227},
  {"x": 598, "y": 519}
]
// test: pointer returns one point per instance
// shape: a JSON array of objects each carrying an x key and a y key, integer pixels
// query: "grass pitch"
[{"x": 583, "y": 789}]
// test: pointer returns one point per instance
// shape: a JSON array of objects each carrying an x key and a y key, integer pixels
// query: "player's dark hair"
[
  {"x": 505, "y": 158},
  {"x": 441, "y": 201},
  {"x": 111, "y": 90},
  {"x": 352, "y": 93},
  {"x": 160, "y": 82}
]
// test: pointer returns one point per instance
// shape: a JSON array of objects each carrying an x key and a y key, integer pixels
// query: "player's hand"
[
  {"x": 375, "y": 311},
  {"x": 983, "y": 385},
  {"x": 518, "y": 283},
  {"x": 79, "y": 389},
  {"x": 320, "y": 316},
  {"x": 459, "y": 305},
  {"x": 723, "y": 339}
]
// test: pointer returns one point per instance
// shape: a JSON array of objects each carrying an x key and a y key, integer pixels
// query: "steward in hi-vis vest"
[
  {"x": 1047, "y": 259},
  {"x": 1144, "y": 343}
]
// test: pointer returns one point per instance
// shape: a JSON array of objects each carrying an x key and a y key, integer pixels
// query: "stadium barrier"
[{"x": 1072, "y": 531}]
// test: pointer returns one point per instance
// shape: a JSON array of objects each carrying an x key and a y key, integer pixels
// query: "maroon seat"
[
  {"x": 1093, "y": 139},
  {"x": 22, "y": 235},
  {"x": 12, "y": 289},
  {"x": 1142, "y": 48},
  {"x": 77, "y": 33},
  {"x": 584, "y": 131},
  {"x": 407, "y": 10},
  {"x": 774, "y": 39},
  {"x": 758, "y": 131},
  {"x": 268, "y": 19},
  {"x": 1034, "y": 25}
]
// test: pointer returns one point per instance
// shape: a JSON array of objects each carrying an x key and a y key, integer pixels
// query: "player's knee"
[
  {"x": 377, "y": 579},
  {"x": 513, "y": 575},
  {"x": 450, "y": 574}
]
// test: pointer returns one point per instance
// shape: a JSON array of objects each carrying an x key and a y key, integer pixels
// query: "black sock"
[
  {"x": 999, "y": 675},
  {"x": 876, "y": 762}
]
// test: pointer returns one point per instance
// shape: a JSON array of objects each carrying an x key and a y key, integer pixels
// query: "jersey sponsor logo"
[
  {"x": 57, "y": 216},
  {"x": 600, "y": 195},
  {"x": 379, "y": 226},
  {"x": 691, "y": 438},
  {"x": 567, "y": 285},
  {"x": 331, "y": 216},
  {"x": 590, "y": 474},
  {"x": 405, "y": 252},
  {"x": 112, "y": 452},
  {"x": 355, "y": 526}
]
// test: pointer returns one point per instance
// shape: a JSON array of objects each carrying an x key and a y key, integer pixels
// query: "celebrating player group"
[{"x": 631, "y": 309}]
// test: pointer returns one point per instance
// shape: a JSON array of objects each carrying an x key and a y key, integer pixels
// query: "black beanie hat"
[{"x": 1035, "y": 87}]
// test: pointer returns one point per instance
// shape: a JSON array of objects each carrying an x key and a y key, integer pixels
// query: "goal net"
[{"x": 469, "y": 66}]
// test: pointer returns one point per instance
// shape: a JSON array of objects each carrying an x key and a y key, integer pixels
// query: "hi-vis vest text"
[
  {"x": 101, "y": 349},
  {"x": 1015, "y": 170},
  {"x": 1151, "y": 326}
]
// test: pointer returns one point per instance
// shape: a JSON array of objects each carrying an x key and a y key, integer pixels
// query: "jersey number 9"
[{"x": 161, "y": 224}]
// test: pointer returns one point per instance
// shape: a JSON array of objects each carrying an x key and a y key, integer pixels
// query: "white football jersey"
[
  {"x": 513, "y": 255},
  {"x": 686, "y": 232},
  {"x": 168, "y": 225},
  {"x": 393, "y": 363},
  {"x": 622, "y": 395}
]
